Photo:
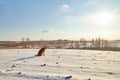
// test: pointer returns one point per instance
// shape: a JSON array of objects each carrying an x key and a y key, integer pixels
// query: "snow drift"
[{"x": 59, "y": 64}]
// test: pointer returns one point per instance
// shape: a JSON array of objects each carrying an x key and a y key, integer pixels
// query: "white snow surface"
[{"x": 59, "y": 64}]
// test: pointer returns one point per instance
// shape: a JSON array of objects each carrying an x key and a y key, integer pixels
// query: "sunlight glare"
[{"x": 104, "y": 18}]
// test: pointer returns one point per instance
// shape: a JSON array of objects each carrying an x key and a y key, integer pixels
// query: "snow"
[{"x": 59, "y": 64}]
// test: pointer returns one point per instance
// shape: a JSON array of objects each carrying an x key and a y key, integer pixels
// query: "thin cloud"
[
  {"x": 88, "y": 19},
  {"x": 71, "y": 20},
  {"x": 46, "y": 30},
  {"x": 64, "y": 8},
  {"x": 91, "y": 3}
]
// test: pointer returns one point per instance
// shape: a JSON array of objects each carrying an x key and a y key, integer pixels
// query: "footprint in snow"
[
  {"x": 89, "y": 79},
  {"x": 19, "y": 73},
  {"x": 9, "y": 70},
  {"x": 68, "y": 77},
  {"x": 47, "y": 76},
  {"x": 25, "y": 61},
  {"x": 56, "y": 62},
  {"x": 13, "y": 65},
  {"x": 43, "y": 65}
]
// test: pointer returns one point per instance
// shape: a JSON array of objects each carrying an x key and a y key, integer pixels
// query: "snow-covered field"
[{"x": 59, "y": 64}]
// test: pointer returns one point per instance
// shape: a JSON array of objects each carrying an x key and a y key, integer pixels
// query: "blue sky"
[{"x": 59, "y": 19}]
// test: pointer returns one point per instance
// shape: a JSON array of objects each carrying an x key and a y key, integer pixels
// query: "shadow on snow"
[{"x": 24, "y": 58}]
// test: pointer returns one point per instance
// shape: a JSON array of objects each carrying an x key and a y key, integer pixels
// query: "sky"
[{"x": 59, "y": 19}]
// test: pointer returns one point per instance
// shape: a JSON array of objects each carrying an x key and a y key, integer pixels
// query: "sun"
[
  {"x": 104, "y": 18},
  {"x": 103, "y": 22}
]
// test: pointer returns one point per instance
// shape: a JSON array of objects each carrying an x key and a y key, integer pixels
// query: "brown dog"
[{"x": 41, "y": 52}]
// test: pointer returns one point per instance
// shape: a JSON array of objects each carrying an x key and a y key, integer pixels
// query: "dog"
[{"x": 41, "y": 52}]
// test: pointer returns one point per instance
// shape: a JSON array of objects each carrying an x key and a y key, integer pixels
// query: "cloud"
[
  {"x": 91, "y": 19},
  {"x": 64, "y": 8},
  {"x": 91, "y": 3},
  {"x": 46, "y": 30},
  {"x": 72, "y": 20},
  {"x": 117, "y": 10}
]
